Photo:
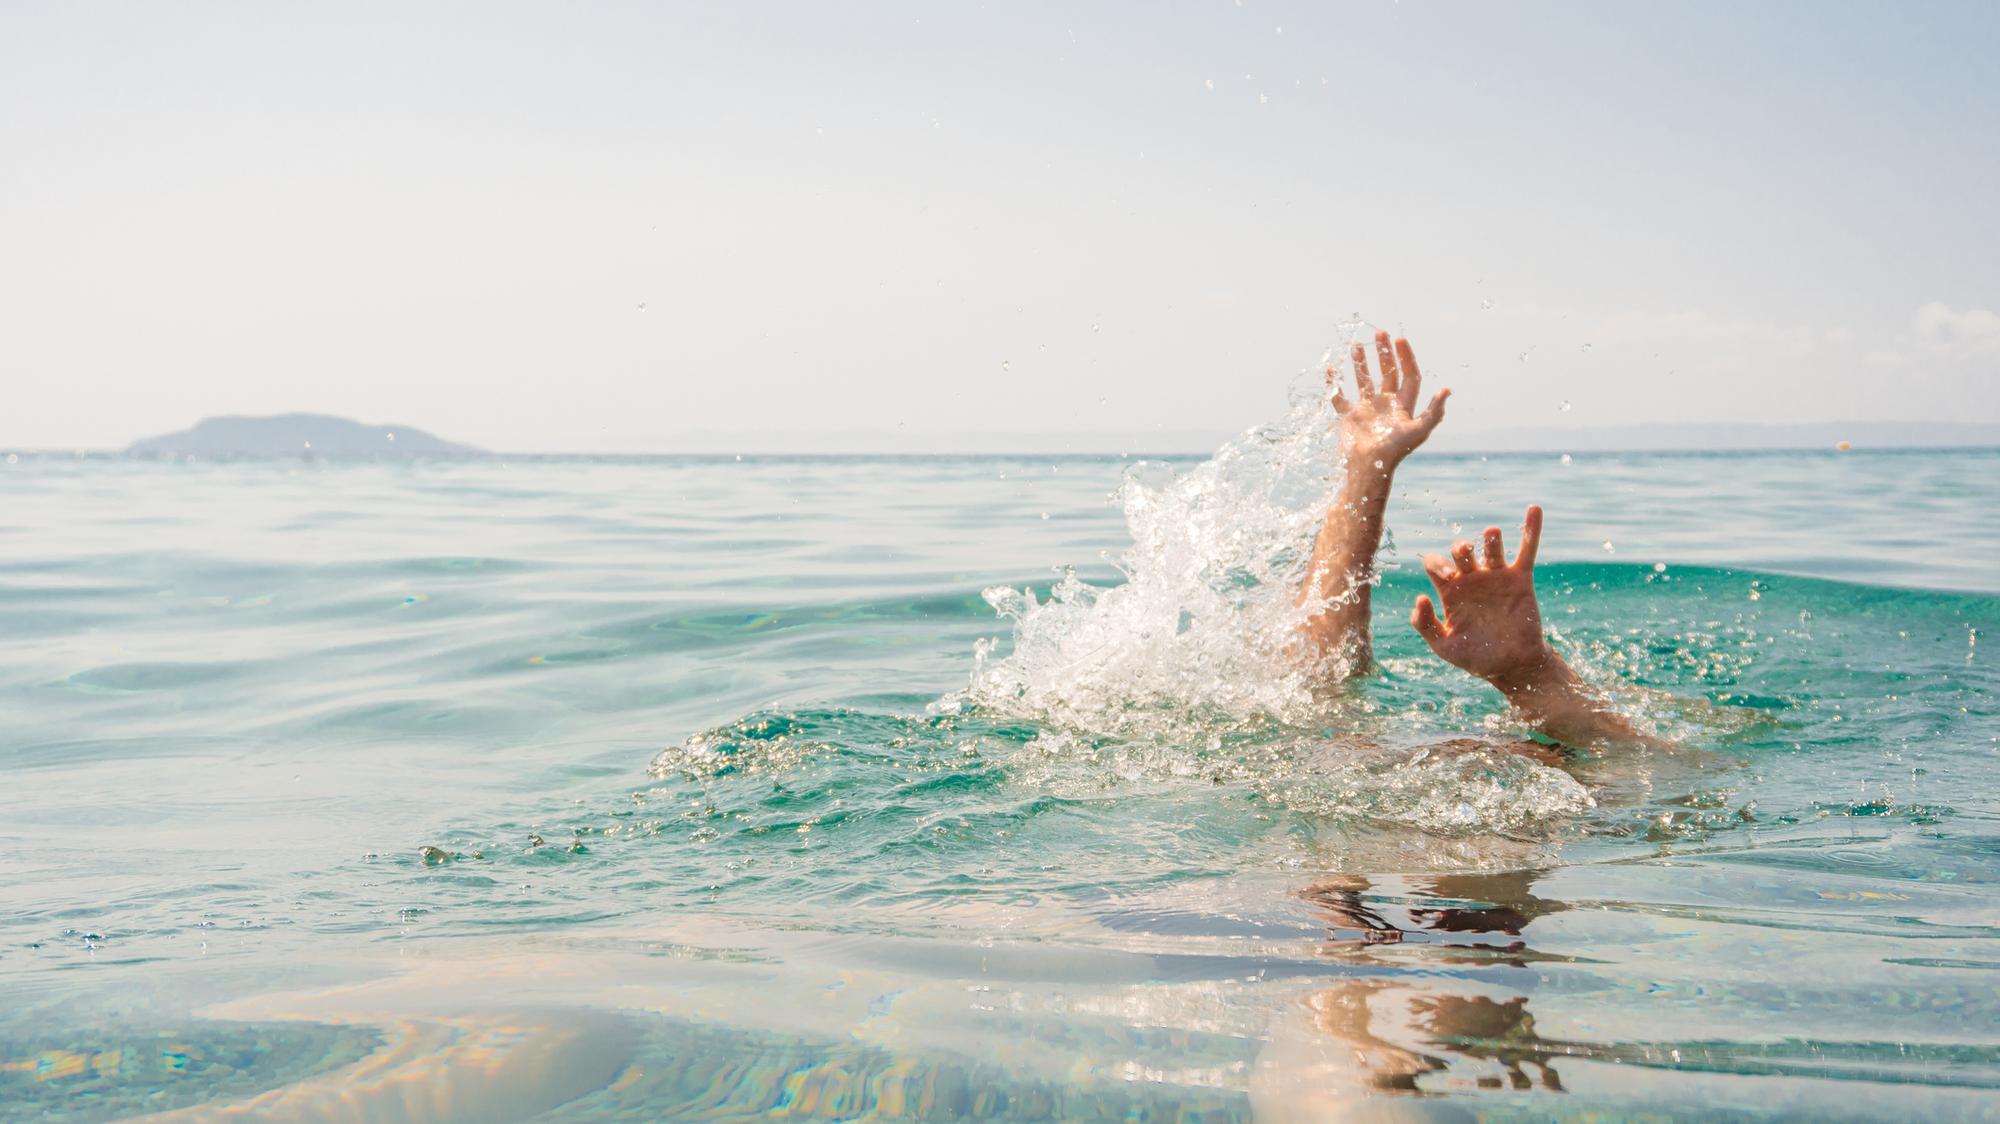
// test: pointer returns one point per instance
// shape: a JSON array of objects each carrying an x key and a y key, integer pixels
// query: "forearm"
[
  {"x": 1340, "y": 578},
  {"x": 1555, "y": 700}
]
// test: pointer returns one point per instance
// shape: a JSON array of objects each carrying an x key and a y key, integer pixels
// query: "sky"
[{"x": 600, "y": 227}]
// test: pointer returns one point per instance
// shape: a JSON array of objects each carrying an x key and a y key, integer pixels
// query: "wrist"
[
  {"x": 1367, "y": 477},
  {"x": 1535, "y": 684},
  {"x": 1370, "y": 463},
  {"x": 1555, "y": 700}
]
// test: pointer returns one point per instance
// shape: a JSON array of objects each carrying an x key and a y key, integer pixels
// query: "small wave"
[
  {"x": 155, "y": 676},
  {"x": 1456, "y": 789}
]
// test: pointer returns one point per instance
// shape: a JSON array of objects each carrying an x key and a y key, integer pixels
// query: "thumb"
[{"x": 1424, "y": 619}]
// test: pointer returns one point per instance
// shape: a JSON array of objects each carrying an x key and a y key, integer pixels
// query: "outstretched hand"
[
  {"x": 1383, "y": 424},
  {"x": 1492, "y": 625},
  {"x": 1378, "y": 428}
]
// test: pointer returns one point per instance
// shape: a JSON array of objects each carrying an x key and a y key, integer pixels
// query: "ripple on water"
[{"x": 158, "y": 676}]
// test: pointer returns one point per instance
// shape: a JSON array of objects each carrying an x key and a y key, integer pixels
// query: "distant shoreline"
[{"x": 307, "y": 436}]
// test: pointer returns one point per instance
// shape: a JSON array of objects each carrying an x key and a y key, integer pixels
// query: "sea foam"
[{"x": 1204, "y": 626}]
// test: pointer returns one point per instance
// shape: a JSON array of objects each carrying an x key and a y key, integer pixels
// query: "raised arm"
[
  {"x": 1492, "y": 628},
  {"x": 1378, "y": 428}
]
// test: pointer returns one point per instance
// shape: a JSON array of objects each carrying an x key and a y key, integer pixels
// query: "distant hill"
[{"x": 290, "y": 435}]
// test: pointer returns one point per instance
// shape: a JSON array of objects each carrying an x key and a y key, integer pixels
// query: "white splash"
[
  {"x": 1190, "y": 671},
  {"x": 1205, "y": 626}
]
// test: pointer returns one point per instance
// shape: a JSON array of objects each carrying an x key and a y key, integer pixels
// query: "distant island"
[
  {"x": 290, "y": 435},
  {"x": 322, "y": 435}
]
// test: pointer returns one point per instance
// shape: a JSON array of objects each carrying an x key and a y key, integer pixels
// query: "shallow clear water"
[{"x": 666, "y": 789}]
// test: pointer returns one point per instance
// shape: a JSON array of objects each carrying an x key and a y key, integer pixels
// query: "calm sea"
[{"x": 717, "y": 789}]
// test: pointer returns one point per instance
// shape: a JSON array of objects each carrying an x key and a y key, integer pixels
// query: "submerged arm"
[
  {"x": 1377, "y": 430},
  {"x": 1550, "y": 696}
]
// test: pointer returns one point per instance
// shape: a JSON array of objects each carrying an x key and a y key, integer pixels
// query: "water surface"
[{"x": 541, "y": 789}]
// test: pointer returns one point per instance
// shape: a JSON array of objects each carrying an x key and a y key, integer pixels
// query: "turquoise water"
[{"x": 638, "y": 789}]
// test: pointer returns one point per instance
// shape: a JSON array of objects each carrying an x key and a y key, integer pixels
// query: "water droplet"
[
  {"x": 1457, "y": 528},
  {"x": 1659, "y": 567},
  {"x": 1756, "y": 596},
  {"x": 1093, "y": 327},
  {"x": 1486, "y": 305},
  {"x": 1585, "y": 347},
  {"x": 1564, "y": 408},
  {"x": 309, "y": 444},
  {"x": 1565, "y": 459},
  {"x": 739, "y": 456},
  {"x": 1004, "y": 365},
  {"x": 390, "y": 436},
  {"x": 1103, "y": 401},
  {"x": 1208, "y": 83},
  {"x": 1378, "y": 464},
  {"x": 1608, "y": 548},
  {"x": 1263, "y": 99},
  {"x": 1045, "y": 515},
  {"x": 642, "y": 306}
]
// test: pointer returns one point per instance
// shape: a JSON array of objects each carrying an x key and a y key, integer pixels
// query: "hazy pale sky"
[{"x": 590, "y": 226}]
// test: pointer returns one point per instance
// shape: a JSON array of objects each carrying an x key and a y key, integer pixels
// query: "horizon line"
[{"x": 981, "y": 454}]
